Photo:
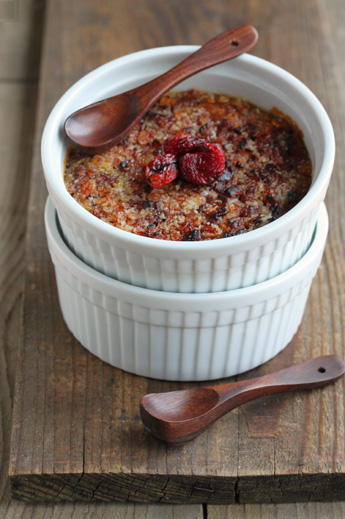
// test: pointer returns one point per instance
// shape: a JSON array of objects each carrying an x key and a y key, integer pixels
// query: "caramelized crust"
[{"x": 268, "y": 170}]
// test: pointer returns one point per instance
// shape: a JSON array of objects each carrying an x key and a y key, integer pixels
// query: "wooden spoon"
[
  {"x": 102, "y": 124},
  {"x": 179, "y": 416}
]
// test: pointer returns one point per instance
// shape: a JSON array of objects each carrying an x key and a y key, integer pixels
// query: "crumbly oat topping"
[{"x": 268, "y": 170}]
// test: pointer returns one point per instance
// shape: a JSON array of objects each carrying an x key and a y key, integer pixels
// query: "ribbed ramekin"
[
  {"x": 206, "y": 266},
  {"x": 176, "y": 336}
]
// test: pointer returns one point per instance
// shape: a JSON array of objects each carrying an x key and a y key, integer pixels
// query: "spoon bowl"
[
  {"x": 181, "y": 406},
  {"x": 95, "y": 125}
]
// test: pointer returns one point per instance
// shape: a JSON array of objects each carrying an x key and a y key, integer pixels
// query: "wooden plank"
[
  {"x": 20, "y": 29},
  {"x": 14, "y": 177},
  {"x": 18, "y": 95},
  {"x": 283, "y": 511},
  {"x": 74, "y": 437},
  {"x": 19, "y": 510}
]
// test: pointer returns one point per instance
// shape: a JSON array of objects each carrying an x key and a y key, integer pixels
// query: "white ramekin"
[
  {"x": 206, "y": 266},
  {"x": 176, "y": 336}
]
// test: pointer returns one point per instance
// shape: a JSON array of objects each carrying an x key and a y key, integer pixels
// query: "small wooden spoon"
[
  {"x": 102, "y": 124},
  {"x": 179, "y": 416}
]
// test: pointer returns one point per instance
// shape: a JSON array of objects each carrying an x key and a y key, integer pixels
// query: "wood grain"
[
  {"x": 77, "y": 432},
  {"x": 19, "y": 510},
  {"x": 20, "y": 26},
  {"x": 283, "y": 511},
  {"x": 12, "y": 217},
  {"x": 18, "y": 93}
]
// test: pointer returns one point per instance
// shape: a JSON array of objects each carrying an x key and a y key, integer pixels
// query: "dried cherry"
[
  {"x": 202, "y": 167},
  {"x": 161, "y": 170},
  {"x": 182, "y": 144},
  {"x": 198, "y": 161}
]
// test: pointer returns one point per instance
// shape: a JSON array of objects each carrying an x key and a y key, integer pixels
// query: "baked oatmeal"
[{"x": 265, "y": 170}]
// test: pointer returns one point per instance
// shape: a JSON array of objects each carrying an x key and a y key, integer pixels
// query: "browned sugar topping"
[{"x": 268, "y": 170}]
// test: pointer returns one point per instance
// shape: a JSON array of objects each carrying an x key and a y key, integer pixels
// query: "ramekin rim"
[
  {"x": 271, "y": 229},
  {"x": 319, "y": 238}
]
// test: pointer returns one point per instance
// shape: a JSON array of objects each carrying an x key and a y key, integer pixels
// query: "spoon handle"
[
  {"x": 313, "y": 373},
  {"x": 223, "y": 47}
]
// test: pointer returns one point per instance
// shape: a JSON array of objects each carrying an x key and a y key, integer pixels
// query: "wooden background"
[{"x": 307, "y": 38}]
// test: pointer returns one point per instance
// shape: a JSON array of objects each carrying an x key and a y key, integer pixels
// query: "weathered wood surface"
[
  {"x": 18, "y": 95},
  {"x": 20, "y": 23},
  {"x": 76, "y": 429},
  {"x": 20, "y": 510},
  {"x": 281, "y": 511}
]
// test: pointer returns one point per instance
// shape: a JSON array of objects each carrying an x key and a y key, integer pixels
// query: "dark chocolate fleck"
[
  {"x": 123, "y": 165},
  {"x": 193, "y": 235},
  {"x": 274, "y": 206},
  {"x": 221, "y": 212},
  {"x": 254, "y": 174},
  {"x": 269, "y": 171},
  {"x": 203, "y": 128},
  {"x": 232, "y": 190},
  {"x": 292, "y": 197},
  {"x": 276, "y": 211},
  {"x": 270, "y": 199}
]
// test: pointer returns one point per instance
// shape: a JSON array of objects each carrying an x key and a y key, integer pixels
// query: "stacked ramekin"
[{"x": 187, "y": 310}]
